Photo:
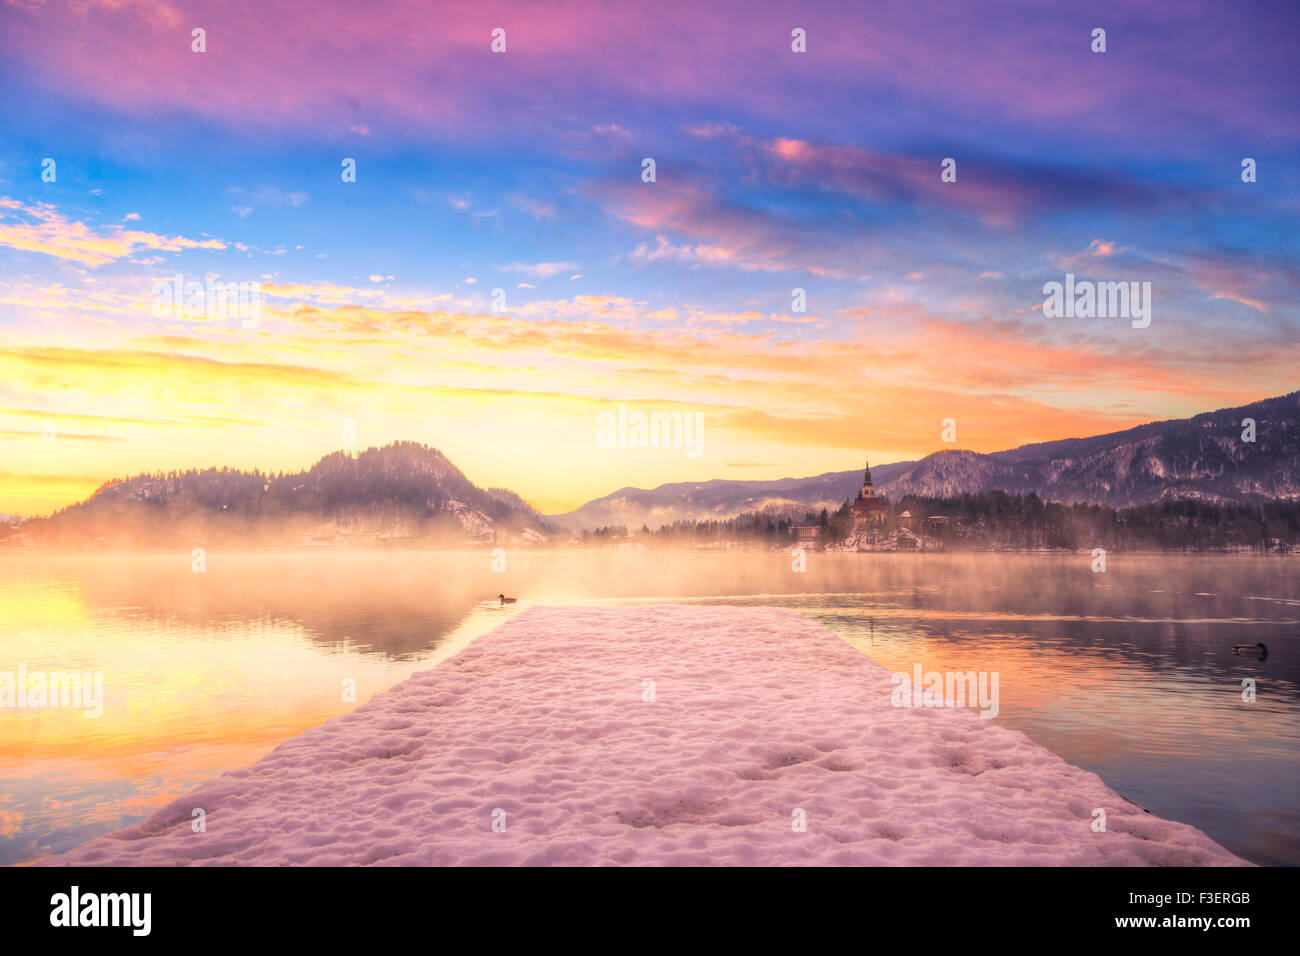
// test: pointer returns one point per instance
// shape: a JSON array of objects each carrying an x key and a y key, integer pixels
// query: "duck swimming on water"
[
  {"x": 1259, "y": 649},
  {"x": 505, "y": 600}
]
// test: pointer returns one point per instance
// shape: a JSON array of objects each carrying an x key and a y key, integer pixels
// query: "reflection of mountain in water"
[
  {"x": 397, "y": 631},
  {"x": 375, "y": 604}
]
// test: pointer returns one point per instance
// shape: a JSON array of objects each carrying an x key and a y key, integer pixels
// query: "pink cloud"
[
  {"x": 720, "y": 233},
  {"x": 330, "y": 65},
  {"x": 1240, "y": 300}
]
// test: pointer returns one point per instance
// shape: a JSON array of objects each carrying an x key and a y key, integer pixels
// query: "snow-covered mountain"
[
  {"x": 403, "y": 490},
  {"x": 1204, "y": 457}
]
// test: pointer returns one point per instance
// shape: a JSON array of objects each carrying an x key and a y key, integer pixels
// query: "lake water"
[{"x": 1128, "y": 673}]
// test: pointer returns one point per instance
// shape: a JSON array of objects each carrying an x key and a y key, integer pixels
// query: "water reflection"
[{"x": 1130, "y": 673}]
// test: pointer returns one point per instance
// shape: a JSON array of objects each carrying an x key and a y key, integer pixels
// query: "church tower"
[
  {"x": 868, "y": 489},
  {"x": 868, "y": 508}
]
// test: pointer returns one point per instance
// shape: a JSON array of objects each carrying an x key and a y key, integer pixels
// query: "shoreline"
[{"x": 541, "y": 727}]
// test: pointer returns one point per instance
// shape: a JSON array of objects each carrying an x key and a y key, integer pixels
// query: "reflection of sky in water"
[{"x": 1129, "y": 674}]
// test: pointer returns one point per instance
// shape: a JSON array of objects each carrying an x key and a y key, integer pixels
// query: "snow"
[{"x": 757, "y": 713}]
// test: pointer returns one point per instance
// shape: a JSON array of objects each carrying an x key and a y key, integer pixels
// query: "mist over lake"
[{"x": 1128, "y": 673}]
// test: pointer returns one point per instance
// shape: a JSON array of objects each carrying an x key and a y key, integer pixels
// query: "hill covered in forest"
[{"x": 405, "y": 491}]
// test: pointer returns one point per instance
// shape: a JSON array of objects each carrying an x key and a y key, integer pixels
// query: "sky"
[{"x": 522, "y": 171}]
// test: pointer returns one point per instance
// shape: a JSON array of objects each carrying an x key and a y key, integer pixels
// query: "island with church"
[{"x": 872, "y": 526}]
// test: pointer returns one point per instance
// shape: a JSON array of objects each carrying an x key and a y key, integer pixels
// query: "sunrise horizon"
[
  {"x": 488, "y": 274},
  {"x": 748, "y": 471}
]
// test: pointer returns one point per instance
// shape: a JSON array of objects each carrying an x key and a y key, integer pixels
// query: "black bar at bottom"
[{"x": 947, "y": 906}]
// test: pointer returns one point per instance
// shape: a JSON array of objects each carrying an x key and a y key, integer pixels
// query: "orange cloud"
[{"x": 877, "y": 377}]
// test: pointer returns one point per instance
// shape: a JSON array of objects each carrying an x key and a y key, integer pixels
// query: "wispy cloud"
[
  {"x": 39, "y": 227},
  {"x": 539, "y": 270}
]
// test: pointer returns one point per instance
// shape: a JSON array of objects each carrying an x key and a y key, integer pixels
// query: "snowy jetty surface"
[{"x": 756, "y": 713}]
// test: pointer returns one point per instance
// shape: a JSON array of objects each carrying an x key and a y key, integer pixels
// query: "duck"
[
  {"x": 1259, "y": 649},
  {"x": 505, "y": 600}
]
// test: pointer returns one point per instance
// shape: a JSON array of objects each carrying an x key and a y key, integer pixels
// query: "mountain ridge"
[
  {"x": 407, "y": 490},
  {"x": 1202, "y": 457},
  {"x": 396, "y": 491}
]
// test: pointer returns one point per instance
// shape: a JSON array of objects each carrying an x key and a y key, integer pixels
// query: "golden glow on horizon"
[
  {"x": 512, "y": 398},
  {"x": 515, "y": 404}
]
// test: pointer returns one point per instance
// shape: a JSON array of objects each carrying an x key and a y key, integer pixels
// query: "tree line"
[{"x": 996, "y": 519}]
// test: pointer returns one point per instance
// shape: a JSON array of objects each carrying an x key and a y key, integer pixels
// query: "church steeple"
[{"x": 868, "y": 490}]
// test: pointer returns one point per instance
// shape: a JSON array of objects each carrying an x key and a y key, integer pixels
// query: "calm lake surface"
[{"x": 1128, "y": 673}]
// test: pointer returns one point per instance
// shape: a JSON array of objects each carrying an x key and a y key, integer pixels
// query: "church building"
[{"x": 868, "y": 509}]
